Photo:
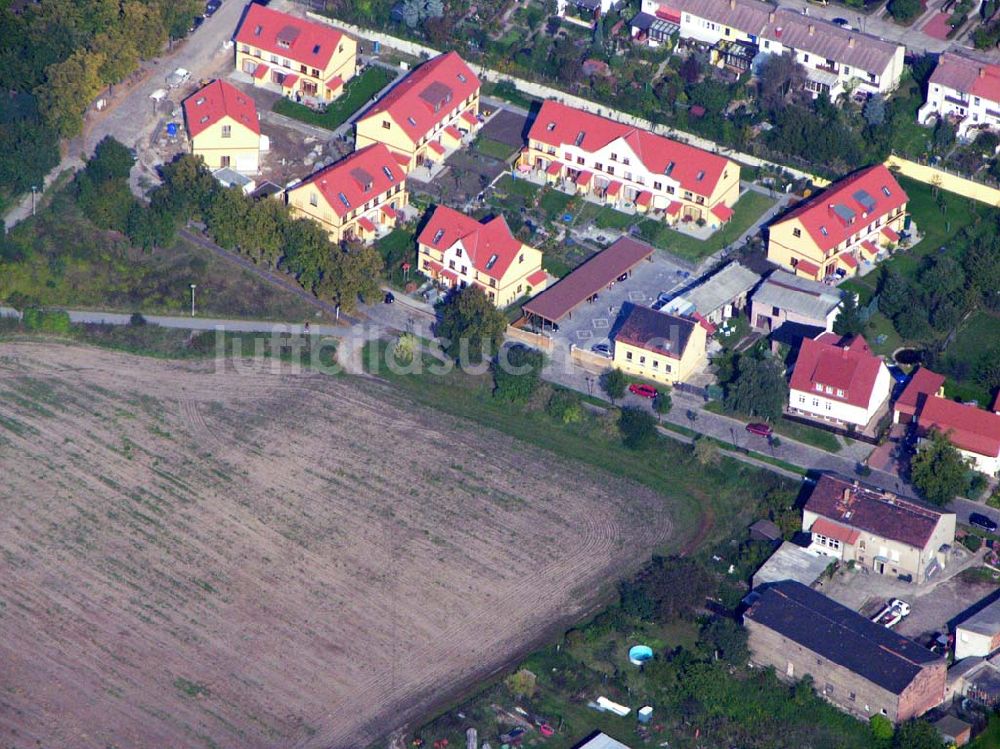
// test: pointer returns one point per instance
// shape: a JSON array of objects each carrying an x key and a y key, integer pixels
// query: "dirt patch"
[
  {"x": 192, "y": 558},
  {"x": 507, "y": 127}
]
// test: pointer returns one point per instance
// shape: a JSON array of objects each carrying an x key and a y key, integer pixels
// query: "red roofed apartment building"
[
  {"x": 975, "y": 432},
  {"x": 627, "y": 168},
  {"x": 223, "y": 127},
  {"x": 849, "y": 223},
  {"x": 963, "y": 89},
  {"x": 302, "y": 59},
  {"x": 426, "y": 114},
  {"x": 839, "y": 380},
  {"x": 877, "y": 530},
  {"x": 459, "y": 251},
  {"x": 356, "y": 198}
]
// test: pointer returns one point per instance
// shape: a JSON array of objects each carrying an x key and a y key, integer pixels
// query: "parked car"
[
  {"x": 623, "y": 277},
  {"x": 179, "y": 76},
  {"x": 760, "y": 429},
  {"x": 389, "y": 297},
  {"x": 979, "y": 520},
  {"x": 843, "y": 23},
  {"x": 601, "y": 348},
  {"x": 211, "y": 6},
  {"x": 643, "y": 391}
]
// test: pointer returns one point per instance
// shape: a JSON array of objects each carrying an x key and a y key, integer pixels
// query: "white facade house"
[
  {"x": 964, "y": 89},
  {"x": 839, "y": 381},
  {"x": 979, "y": 635},
  {"x": 836, "y": 60}
]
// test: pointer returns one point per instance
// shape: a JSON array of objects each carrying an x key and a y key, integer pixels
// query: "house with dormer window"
[
  {"x": 853, "y": 222},
  {"x": 357, "y": 198},
  {"x": 839, "y": 380},
  {"x": 457, "y": 251},
  {"x": 628, "y": 168},
  {"x": 426, "y": 115},
  {"x": 223, "y": 127},
  {"x": 303, "y": 60}
]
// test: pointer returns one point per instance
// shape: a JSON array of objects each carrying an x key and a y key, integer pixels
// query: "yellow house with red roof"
[
  {"x": 223, "y": 127},
  {"x": 356, "y": 198},
  {"x": 629, "y": 168},
  {"x": 849, "y": 223},
  {"x": 426, "y": 114},
  {"x": 302, "y": 59},
  {"x": 458, "y": 251}
]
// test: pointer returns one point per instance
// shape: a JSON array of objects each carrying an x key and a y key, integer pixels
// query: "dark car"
[
  {"x": 601, "y": 348},
  {"x": 760, "y": 429},
  {"x": 643, "y": 391},
  {"x": 979, "y": 520},
  {"x": 842, "y": 22},
  {"x": 211, "y": 6},
  {"x": 389, "y": 297}
]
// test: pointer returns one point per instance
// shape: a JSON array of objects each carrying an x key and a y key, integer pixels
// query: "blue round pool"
[{"x": 639, "y": 654}]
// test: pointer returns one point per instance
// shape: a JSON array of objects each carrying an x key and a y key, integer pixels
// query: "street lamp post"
[
  {"x": 34, "y": 188},
  {"x": 193, "y": 287}
]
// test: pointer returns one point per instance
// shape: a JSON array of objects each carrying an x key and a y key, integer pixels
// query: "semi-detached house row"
[
  {"x": 426, "y": 114},
  {"x": 356, "y": 198},
  {"x": 856, "y": 220},
  {"x": 301, "y": 59},
  {"x": 965, "y": 90},
  {"x": 627, "y": 167},
  {"x": 836, "y": 60}
]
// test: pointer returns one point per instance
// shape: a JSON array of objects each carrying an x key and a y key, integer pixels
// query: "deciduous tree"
[
  {"x": 638, "y": 428},
  {"x": 613, "y": 383},
  {"x": 938, "y": 470},
  {"x": 471, "y": 325}
]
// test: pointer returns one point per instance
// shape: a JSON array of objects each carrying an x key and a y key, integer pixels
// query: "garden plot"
[{"x": 198, "y": 558}]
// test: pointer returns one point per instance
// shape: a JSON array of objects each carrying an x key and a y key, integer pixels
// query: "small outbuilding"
[
  {"x": 953, "y": 730},
  {"x": 791, "y": 562},
  {"x": 979, "y": 635}
]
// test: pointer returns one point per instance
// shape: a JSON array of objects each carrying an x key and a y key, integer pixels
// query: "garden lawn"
[
  {"x": 397, "y": 247},
  {"x": 554, "y": 203},
  {"x": 609, "y": 218},
  {"x": 803, "y": 433},
  {"x": 748, "y": 210},
  {"x": 357, "y": 92},
  {"x": 493, "y": 148}
]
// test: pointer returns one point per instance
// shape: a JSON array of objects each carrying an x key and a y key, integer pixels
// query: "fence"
[
  {"x": 930, "y": 175},
  {"x": 535, "y": 340},
  {"x": 829, "y": 428}
]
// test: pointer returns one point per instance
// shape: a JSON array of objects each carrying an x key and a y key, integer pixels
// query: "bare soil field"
[{"x": 191, "y": 558}]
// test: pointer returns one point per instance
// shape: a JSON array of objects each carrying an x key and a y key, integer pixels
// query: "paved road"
[
  {"x": 204, "y": 323},
  {"x": 128, "y": 117}
]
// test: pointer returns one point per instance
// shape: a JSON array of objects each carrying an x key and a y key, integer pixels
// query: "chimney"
[
  {"x": 812, "y": 30},
  {"x": 982, "y": 72},
  {"x": 847, "y": 494},
  {"x": 770, "y": 17},
  {"x": 850, "y": 42},
  {"x": 732, "y": 4},
  {"x": 777, "y": 32}
]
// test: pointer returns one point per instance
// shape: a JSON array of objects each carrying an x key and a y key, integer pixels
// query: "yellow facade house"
[
  {"x": 660, "y": 347},
  {"x": 305, "y": 61},
  {"x": 223, "y": 127},
  {"x": 427, "y": 114},
  {"x": 457, "y": 251},
  {"x": 358, "y": 198},
  {"x": 855, "y": 221}
]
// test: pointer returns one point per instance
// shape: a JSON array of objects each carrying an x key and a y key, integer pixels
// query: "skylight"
[
  {"x": 200, "y": 100},
  {"x": 823, "y": 231},
  {"x": 492, "y": 261},
  {"x": 885, "y": 191},
  {"x": 315, "y": 49},
  {"x": 257, "y": 31},
  {"x": 700, "y": 176},
  {"x": 204, "y": 119},
  {"x": 550, "y": 127},
  {"x": 344, "y": 200},
  {"x": 412, "y": 121},
  {"x": 580, "y": 136},
  {"x": 437, "y": 236},
  {"x": 670, "y": 168},
  {"x": 388, "y": 173},
  {"x": 462, "y": 78}
]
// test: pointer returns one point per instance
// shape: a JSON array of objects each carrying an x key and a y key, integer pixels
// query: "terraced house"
[
  {"x": 223, "y": 128},
  {"x": 836, "y": 60},
  {"x": 963, "y": 89},
  {"x": 854, "y": 221},
  {"x": 356, "y": 198},
  {"x": 427, "y": 114},
  {"x": 458, "y": 251},
  {"x": 629, "y": 168},
  {"x": 302, "y": 60}
]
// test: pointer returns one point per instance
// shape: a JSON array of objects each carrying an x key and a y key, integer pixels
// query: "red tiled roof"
[
  {"x": 848, "y": 366},
  {"x": 366, "y": 223},
  {"x": 584, "y": 179},
  {"x": 921, "y": 386},
  {"x": 427, "y": 95},
  {"x": 968, "y": 427},
  {"x": 435, "y": 266},
  {"x": 848, "y": 259},
  {"x": 705, "y": 323},
  {"x": 811, "y": 268},
  {"x": 490, "y": 246},
  {"x": 334, "y": 83},
  {"x": 889, "y": 233},
  {"x": 838, "y": 213},
  {"x": 450, "y": 275},
  {"x": 537, "y": 277},
  {"x": 453, "y": 132},
  {"x": 401, "y": 158},
  {"x": 614, "y": 188},
  {"x": 723, "y": 211},
  {"x": 435, "y": 147},
  {"x": 561, "y": 126},
  {"x": 469, "y": 117},
  {"x": 674, "y": 207},
  {"x": 373, "y": 165},
  {"x": 830, "y": 529},
  {"x": 554, "y": 168},
  {"x": 218, "y": 100},
  {"x": 996, "y": 404},
  {"x": 874, "y": 511},
  {"x": 389, "y": 211},
  {"x": 869, "y": 248},
  {"x": 968, "y": 76},
  {"x": 260, "y": 71},
  {"x": 644, "y": 198},
  {"x": 290, "y": 81},
  {"x": 288, "y": 36}
]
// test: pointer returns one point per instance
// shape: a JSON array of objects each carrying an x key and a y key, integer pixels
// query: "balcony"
[{"x": 957, "y": 101}]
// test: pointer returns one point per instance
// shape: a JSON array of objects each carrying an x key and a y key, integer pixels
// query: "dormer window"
[{"x": 437, "y": 236}]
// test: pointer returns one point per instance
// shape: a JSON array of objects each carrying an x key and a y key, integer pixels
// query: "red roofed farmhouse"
[
  {"x": 877, "y": 530},
  {"x": 356, "y": 198},
  {"x": 304, "y": 60},
  {"x": 426, "y": 114},
  {"x": 851, "y": 222},
  {"x": 964, "y": 89},
  {"x": 974, "y": 431},
  {"x": 459, "y": 251},
  {"x": 838, "y": 380},
  {"x": 223, "y": 127},
  {"x": 628, "y": 168}
]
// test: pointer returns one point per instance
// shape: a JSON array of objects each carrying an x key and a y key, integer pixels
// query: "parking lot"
[{"x": 591, "y": 323}]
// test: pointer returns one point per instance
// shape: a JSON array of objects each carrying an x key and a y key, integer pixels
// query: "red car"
[
  {"x": 760, "y": 429},
  {"x": 643, "y": 391}
]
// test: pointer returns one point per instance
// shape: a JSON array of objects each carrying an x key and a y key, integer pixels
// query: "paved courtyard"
[{"x": 506, "y": 127}]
